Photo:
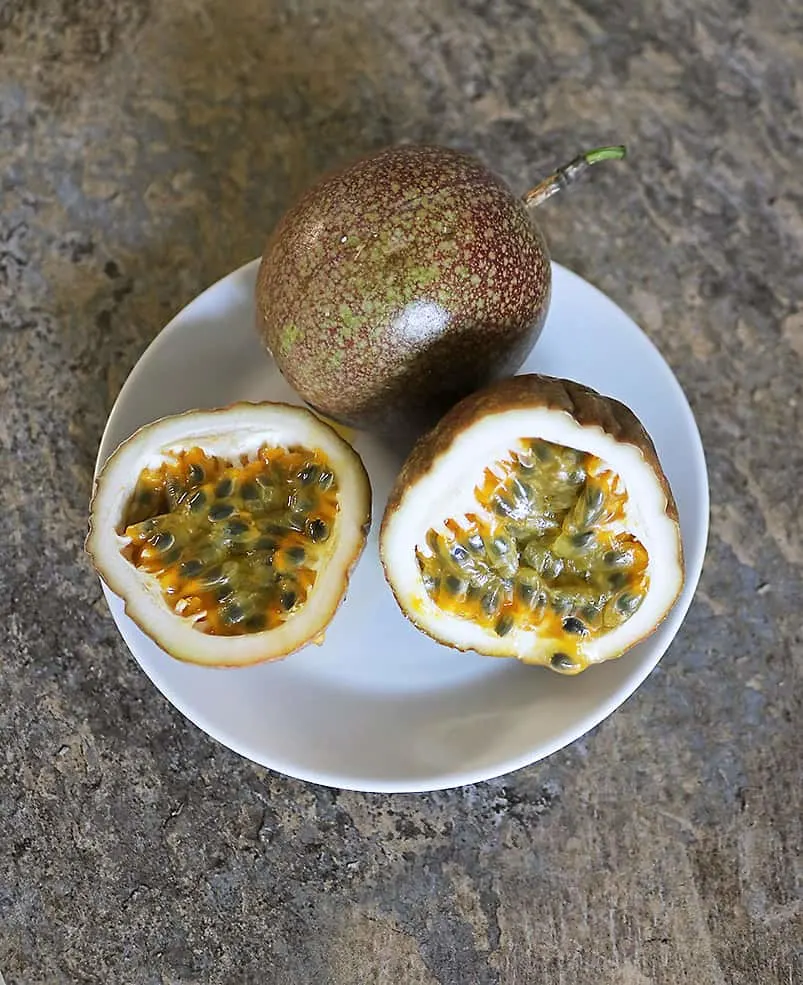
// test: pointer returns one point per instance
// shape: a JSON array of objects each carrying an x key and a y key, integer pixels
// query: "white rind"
[
  {"x": 241, "y": 429},
  {"x": 447, "y": 490}
]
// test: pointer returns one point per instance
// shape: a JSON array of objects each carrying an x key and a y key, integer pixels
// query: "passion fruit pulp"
[
  {"x": 535, "y": 522},
  {"x": 235, "y": 543},
  {"x": 231, "y": 534}
]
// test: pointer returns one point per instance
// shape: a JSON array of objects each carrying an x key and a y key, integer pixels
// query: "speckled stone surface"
[{"x": 146, "y": 149}]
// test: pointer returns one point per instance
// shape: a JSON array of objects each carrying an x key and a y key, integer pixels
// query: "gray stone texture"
[{"x": 146, "y": 149}]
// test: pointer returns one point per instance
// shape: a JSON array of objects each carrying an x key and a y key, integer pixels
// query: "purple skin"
[{"x": 402, "y": 283}]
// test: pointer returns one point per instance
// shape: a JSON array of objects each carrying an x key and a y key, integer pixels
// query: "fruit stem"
[{"x": 571, "y": 172}]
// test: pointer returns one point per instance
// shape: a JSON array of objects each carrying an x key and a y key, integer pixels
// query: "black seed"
[
  {"x": 255, "y": 623},
  {"x": 542, "y": 451},
  {"x": 175, "y": 492},
  {"x": 265, "y": 544},
  {"x": 612, "y": 558},
  {"x": 562, "y": 604},
  {"x": 318, "y": 531},
  {"x": 308, "y": 475},
  {"x": 583, "y": 538},
  {"x": 475, "y": 543},
  {"x": 525, "y": 591},
  {"x": 195, "y": 475},
  {"x": 288, "y": 599},
  {"x": 325, "y": 479},
  {"x": 145, "y": 496},
  {"x": 296, "y": 554},
  {"x": 459, "y": 553},
  {"x": 163, "y": 541},
  {"x": 224, "y": 488},
  {"x": 553, "y": 568},
  {"x": 594, "y": 497},
  {"x": 214, "y": 576},
  {"x": 562, "y": 661},
  {"x": 452, "y": 584},
  {"x": 302, "y": 503},
  {"x": 618, "y": 579},
  {"x": 197, "y": 501},
  {"x": 236, "y": 528},
  {"x": 431, "y": 584},
  {"x": 294, "y": 521},
  {"x": 503, "y": 625},
  {"x": 574, "y": 625},
  {"x": 223, "y": 591},
  {"x": 627, "y": 603},
  {"x": 172, "y": 556},
  {"x": 248, "y": 490},
  {"x": 190, "y": 568},
  {"x": 520, "y": 490},
  {"x": 222, "y": 511},
  {"x": 504, "y": 506},
  {"x": 491, "y": 601},
  {"x": 232, "y": 612},
  {"x": 143, "y": 529}
]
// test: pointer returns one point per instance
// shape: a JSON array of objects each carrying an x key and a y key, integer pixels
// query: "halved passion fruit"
[
  {"x": 535, "y": 522},
  {"x": 230, "y": 534}
]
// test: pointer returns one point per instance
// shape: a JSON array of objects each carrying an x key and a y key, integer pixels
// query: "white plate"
[{"x": 379, "y": 706}]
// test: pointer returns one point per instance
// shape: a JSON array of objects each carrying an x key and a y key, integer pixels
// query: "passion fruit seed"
[
  {"x": 163, "y": 541},
  {"x": 224, "y": 488},
  {"x": 288, "y": 599},
  {"x": 562, "y": 661},
  {"x": 545, "y": 548},
  {"x": 249, "y": 491},
  {"x": 504, "y": 624},
  {"x": 221, "y": 511},
  {"x": 236, "y": 545},
  {"x": 318, "y": 530},
  {"x": 197, "y": 501}
]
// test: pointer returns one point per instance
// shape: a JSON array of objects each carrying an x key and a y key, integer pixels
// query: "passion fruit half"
[
  {"x": 535, "y": 521},
  {"x": 230, "y": 534}
]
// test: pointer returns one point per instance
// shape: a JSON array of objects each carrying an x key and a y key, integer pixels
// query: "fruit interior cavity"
[
  {"x": 546, "y": 548},
  {"x": 235, "y": 545}
]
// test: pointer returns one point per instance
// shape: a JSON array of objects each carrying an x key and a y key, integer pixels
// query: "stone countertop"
[{"x": 146, "y": 149}]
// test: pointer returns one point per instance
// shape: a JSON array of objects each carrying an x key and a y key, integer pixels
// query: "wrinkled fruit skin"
[{"x": 397, "y": 286}]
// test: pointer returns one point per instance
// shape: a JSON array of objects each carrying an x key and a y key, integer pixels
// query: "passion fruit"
[
  {"x": 230, "y": 534},
  {"x": 406, "y": 281},
  {"x": 535, "y": 521}
]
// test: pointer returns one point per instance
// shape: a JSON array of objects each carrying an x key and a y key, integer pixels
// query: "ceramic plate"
[{"x": 380, "y": 707}]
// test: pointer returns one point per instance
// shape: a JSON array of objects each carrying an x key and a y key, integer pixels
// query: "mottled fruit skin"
[{"x": 400, "y": 284}]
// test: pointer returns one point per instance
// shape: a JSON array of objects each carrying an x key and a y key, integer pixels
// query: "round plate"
[{"x": 379, "y": 706}]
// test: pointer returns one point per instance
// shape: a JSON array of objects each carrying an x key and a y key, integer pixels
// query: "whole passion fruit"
[
  {"x": 231, "y": 534},
  {"x": 404, "y": 282},
  {"x": 535, "y": 522}
]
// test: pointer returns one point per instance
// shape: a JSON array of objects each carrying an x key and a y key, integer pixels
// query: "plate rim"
[{"x": 454, "y": 779}]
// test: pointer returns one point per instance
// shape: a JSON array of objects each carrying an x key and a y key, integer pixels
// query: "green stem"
[{"x": 571, "y": 172}]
